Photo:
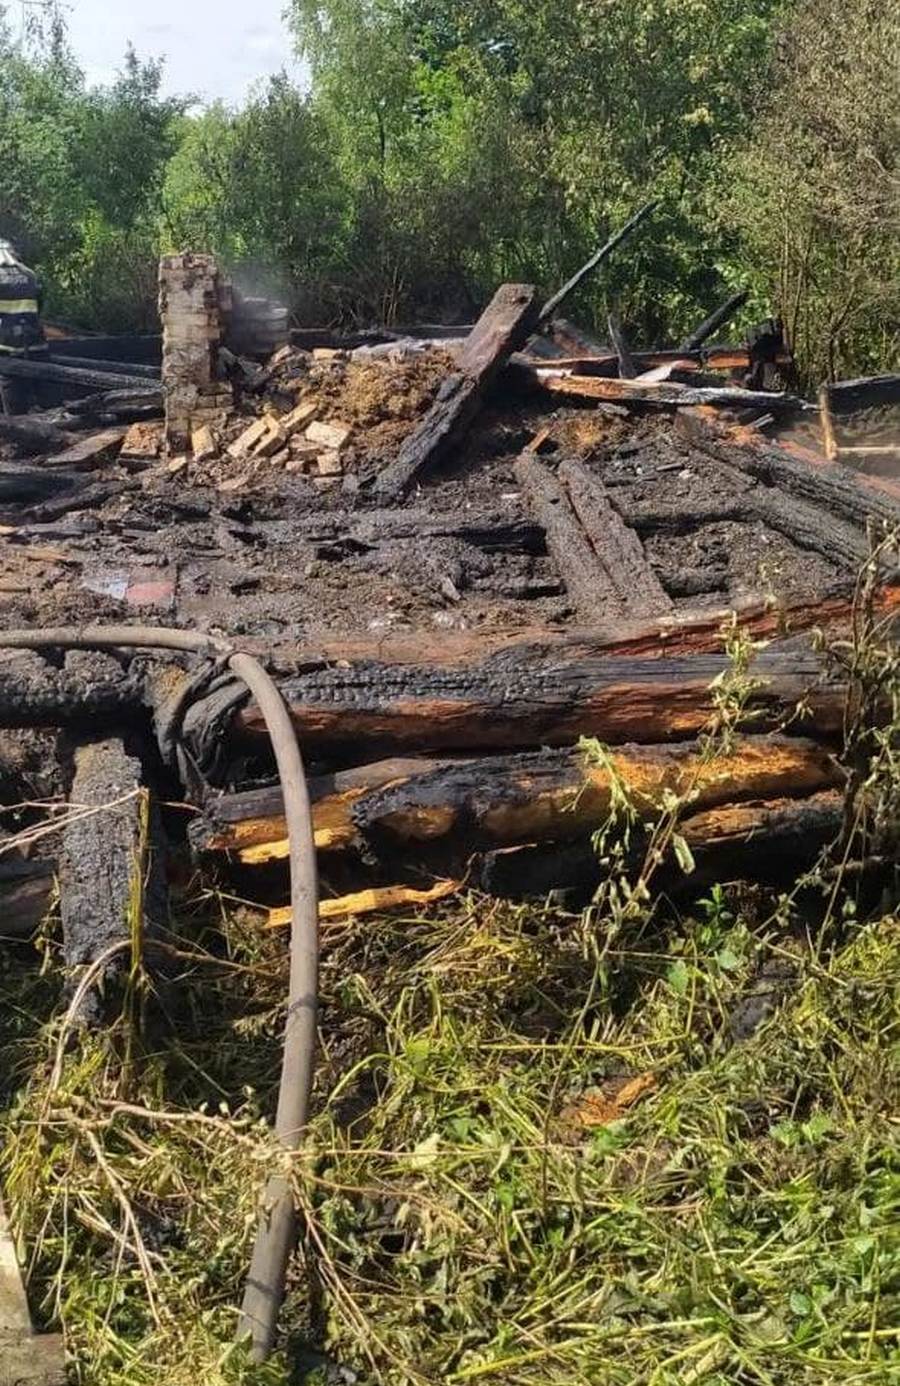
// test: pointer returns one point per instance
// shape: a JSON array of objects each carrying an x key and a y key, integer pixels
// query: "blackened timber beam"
[
  {"x": 760, "y": 841},
  {"x": 498, "y": 801},
  {"x": 555, "y": 303},
  {"x": 503, "y": 328},
  {"x": 94, "y": 378},
  {"x": 28, "y": 485},
  {"x": 834, "y": 488},
  {"x": 530, "y": 696},
  {"x": 600, "y": 560},
  {"x": 83, "y": 687},
  {"x": 724, "y": 313},
  {"x": 588, "y": 585},
  {"x": 616, "y": 545},
  {"x": 30, "y": 435},
  {"x": 112, "y": 868}
]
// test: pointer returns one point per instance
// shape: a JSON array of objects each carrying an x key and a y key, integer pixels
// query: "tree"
[
  {"x": 80, "y": 177},
  {"x": 818, "y": 200},
  {"x": 259, "y": 188},
  {"x": 544, "y": 124}
]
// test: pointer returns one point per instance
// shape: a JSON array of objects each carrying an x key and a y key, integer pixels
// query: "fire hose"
[{"x": 277, "y": 1225}]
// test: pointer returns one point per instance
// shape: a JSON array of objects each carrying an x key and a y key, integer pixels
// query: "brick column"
[{"x": 192, "y": 298}]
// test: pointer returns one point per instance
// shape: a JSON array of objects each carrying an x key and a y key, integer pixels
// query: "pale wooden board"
[{"x": 25, "y": 1360}]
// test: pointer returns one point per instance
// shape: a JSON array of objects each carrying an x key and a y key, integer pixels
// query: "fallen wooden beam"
[
  {"x": 685, "y": 632},
  {"x": 133, "y": 370},
  {"x": 834, "y": 488},
  {"x": 124, "y": 405},
  {"x": 30, "y": 435},
  {"x": 616, "y": 545},
  {"x": 504, "y": 326},
  {"x": 250, "y": 822},
  {"x": 94, "y": 377},
  {"x": 600, "y": 559},
  {"x": 605, "y": 363},
  {"x": 84, "y": 687},
  {"x": 758, "y": 841},
  {"x": 88, "y": 451},
  {"x": 530, "y": 696},
  {"x": 25, "y": 484},
  {"x": 589, "y": 586},
  {"x": 652, "y": 394}
]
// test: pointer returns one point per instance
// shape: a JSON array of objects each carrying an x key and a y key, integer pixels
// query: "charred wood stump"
[{"x": 111, "y": 866}]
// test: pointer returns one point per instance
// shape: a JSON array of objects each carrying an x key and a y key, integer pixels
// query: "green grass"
[{"x": 739, "y": 1224}]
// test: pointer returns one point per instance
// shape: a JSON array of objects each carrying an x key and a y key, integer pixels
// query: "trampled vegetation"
[{"x": 641, "y": 1142}]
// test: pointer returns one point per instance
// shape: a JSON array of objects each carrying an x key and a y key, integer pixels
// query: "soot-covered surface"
[{"x": 281, "y": 557}]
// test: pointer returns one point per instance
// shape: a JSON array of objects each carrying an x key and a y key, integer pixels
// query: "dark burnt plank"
[{"x": 504, "y": 326}]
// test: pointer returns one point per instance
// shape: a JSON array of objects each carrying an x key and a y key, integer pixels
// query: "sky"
[{"x": 214, "y": 48}]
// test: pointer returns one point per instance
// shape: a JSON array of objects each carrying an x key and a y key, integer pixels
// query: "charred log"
[
  {"x": 498, "y": 801},
  {"x": 502, "y": 329}
]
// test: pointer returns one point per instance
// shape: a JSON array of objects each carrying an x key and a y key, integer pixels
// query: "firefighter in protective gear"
[{"x": 21, "y": 331}]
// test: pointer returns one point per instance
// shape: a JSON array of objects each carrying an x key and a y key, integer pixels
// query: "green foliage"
[
  {"x": 259, "y": 188},
  {"x": 462, "y": 1221},
  {"x": 80, "y": 178},
  {"x": 818, "y": 197},
  {"x": 443, "y": 147},
  {"x": 509, "y": 138}
]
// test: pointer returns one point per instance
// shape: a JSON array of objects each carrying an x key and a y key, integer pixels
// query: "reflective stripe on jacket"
[{"x": 18, "y": 305}]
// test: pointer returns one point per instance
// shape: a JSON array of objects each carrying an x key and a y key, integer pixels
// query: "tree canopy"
[{"x": 440, "y": 147}]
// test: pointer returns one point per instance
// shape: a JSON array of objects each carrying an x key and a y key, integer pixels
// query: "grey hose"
[{"x": 275, "y": 1235}]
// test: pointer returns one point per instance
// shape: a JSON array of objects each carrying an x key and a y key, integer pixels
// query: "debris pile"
[
  {"x": 461, "y": 553},
  {"x": 509, "y": 586}
]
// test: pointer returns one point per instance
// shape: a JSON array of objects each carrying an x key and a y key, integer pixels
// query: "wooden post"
[
  {"x": 627, "y": 368},
  {"x": 25, "y": 1359},
  {"x": 828, "y": 439}
]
